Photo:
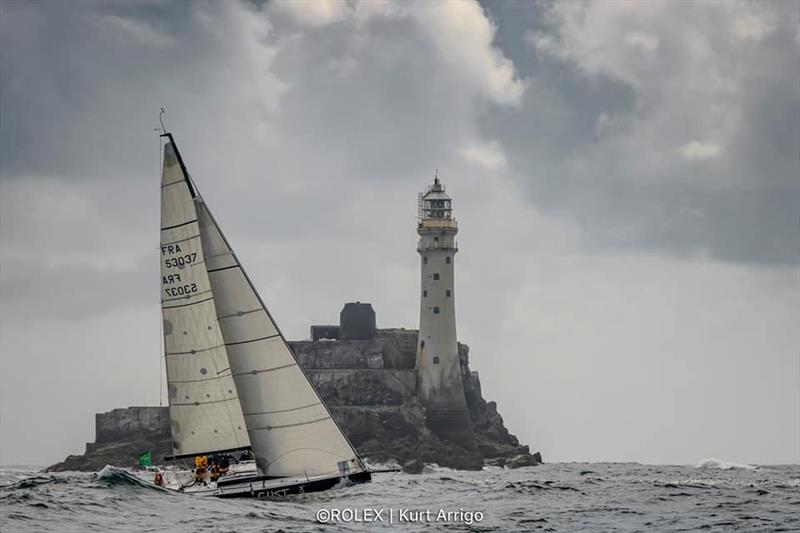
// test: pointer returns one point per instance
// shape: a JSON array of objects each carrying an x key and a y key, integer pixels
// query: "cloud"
[
  {"x": 489, "y": 155},
  {"x": 312, "y": 14},
  {"x": 700, "y": 150},
  {"x": 463, "y": 35},
  {"x": 642, "y": 41},
  {"x": 137, "y": 31},
  {"x": 625, "y": 98},
  {"x": 752, "y": 28}
]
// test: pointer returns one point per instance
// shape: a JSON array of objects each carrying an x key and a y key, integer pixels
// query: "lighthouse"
[{"x": 439, "y": 383}]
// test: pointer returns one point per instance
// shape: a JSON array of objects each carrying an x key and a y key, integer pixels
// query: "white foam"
[{"x": 713, "y": 462}]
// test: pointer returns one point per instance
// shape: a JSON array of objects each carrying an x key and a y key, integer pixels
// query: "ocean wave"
[
  {"x": 434, "y": 468},
  {"x": 632, "y": 497},
  {"x": 111, "y": 475},
  {"x": 32, "y": 482},
  {"x": 713, "y": 462}
]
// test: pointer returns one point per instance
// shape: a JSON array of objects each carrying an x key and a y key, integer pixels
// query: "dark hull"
[{"x": 260, "y": 488}]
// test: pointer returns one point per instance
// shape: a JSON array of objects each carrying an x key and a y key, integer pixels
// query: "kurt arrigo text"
[{"x": 397, "y": 516}]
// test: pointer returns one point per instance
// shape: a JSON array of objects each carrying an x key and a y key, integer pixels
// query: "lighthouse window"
[
  {"x": 447, "y": 259},
  {"x": 435, "y": 310},
  {"x": 436, "y": 360},
  {"x": 424, "y": 294},
  {"x": 424, "y": 260},
  {"x": 436, "y": 276},
  {"x": 447, "y": 293}
]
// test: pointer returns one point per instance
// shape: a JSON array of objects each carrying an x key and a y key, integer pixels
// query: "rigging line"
[{"x": 161, "y": 347}]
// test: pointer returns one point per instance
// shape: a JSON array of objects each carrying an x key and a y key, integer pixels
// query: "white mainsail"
[
  {"x": 291, "y": 430},
  {"x": 233, "y": 380},
  {"x": 204, "y": 407}
]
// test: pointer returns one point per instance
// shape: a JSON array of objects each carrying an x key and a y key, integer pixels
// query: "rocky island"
[{"x": 368, "y": 378}]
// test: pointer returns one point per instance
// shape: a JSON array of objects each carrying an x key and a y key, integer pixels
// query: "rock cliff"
[{"x": 369, "y": 386}]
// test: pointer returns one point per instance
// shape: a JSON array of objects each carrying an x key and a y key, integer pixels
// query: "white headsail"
[
  {"x": 291, "y": 430},
  {"x": 203, "y": 402}
]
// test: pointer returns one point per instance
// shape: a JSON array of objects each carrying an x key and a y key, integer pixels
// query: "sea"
[{"x": 603, "y": 497}]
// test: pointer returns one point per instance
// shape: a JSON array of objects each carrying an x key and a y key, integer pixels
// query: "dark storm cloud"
[{"x": 743, "y": 206}]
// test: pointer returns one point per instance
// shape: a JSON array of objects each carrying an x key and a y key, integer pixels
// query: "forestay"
[
  {"x": 203, "y": 403},
  {"x": 290, "y": 428}
]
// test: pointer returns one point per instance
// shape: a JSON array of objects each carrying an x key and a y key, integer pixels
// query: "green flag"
[{"x": 145, "y": 459}]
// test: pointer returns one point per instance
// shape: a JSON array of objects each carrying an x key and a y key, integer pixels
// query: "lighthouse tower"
[{"x": 439, "y": 382}]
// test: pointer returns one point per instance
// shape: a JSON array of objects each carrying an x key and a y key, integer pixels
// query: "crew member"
[
  {"x": 200, "y": 466},
  {"x": 158, "y": 479},
  {"x": 214, "y": 470},
  {"x": 224, "y": 464}
]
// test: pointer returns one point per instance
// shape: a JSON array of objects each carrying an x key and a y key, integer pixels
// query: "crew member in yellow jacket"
[{"x": 200, "y": 466}]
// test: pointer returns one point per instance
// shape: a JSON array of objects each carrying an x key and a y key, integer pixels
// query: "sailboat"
[{"x": 233, "y": 381}]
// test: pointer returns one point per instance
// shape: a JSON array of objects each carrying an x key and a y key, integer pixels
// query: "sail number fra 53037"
[
  {"x": 181, "y": 260},
  {"x": 181, "y": 290}
]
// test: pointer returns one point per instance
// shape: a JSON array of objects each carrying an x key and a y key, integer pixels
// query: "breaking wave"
[
  {"x": 712, "y": 462},
  {"x": 111, "y": 475}
]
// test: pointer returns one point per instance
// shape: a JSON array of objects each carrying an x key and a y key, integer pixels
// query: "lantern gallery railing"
[
  {"x": 444, "y": 245},
  {"x": 446, "y": 223}
]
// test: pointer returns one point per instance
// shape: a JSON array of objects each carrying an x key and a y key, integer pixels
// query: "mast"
[{"x": 181, "y": 163}]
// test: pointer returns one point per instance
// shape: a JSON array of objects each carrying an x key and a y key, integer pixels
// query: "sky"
[{"x": 626, "y": 178}]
